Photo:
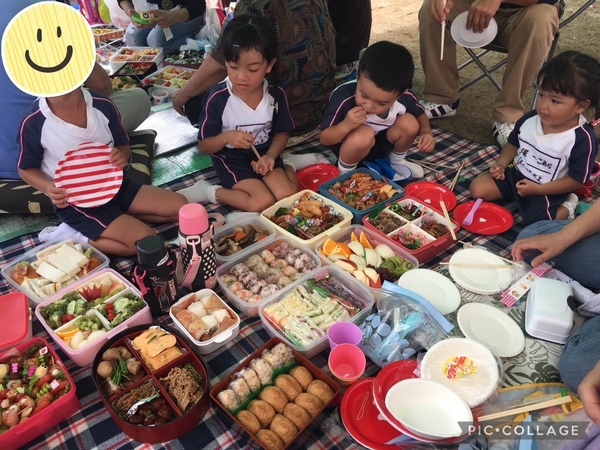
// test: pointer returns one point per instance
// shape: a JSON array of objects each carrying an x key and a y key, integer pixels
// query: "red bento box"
[{"x": 39, "y": 423}]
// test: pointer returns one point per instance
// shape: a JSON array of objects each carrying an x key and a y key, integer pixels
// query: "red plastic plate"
[
  {"x": 360, "y": 417},
  {"x": 88, "y": 176},
  {"x": 489, "y": 218},
  {"x": 388, "y": 377},
  {"x": 431, "y": 194},
  {"x": 312, "y": 177}
]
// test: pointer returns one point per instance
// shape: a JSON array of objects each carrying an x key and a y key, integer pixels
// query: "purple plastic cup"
[{"x": 344, "y": 333}]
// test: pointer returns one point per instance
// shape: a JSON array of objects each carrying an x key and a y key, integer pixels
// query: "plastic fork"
[{"x": 469, "y": 219}]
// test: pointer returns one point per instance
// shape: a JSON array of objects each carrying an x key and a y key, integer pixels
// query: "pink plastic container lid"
[
  {"x": 16, "y": 329},
  {"x": 193, "y": 219}
]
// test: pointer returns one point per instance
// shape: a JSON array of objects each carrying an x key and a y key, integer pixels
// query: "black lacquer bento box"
[{"x": 152, "y": 383}]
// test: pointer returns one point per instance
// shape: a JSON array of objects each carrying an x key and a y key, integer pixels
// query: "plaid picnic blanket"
[{"x": 92, "y": 426}]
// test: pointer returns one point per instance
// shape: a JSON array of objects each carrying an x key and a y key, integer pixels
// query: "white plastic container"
[
  {"x": 84, "y": 356},
  {"x": 344, "y": 234},
  {"x": 547, "y": 313},
  {"x": 228, "y": 228},
  {"x": 31, "y": 256},
  {"x": 178, "y": 78},
  {"x": 17, "y": 328},
  {"x": 135, "y": 55},
  {"x": 209, "y": 346},
  {"x": 251, "y": 308},
  {"x": 288, "y": 202},
  {"x": 322, "y": 343}
]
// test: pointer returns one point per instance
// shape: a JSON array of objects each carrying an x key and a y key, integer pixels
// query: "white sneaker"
[
  {"x": 416, "y": 171},
  {"x": 571, "y": 203},
  {"x": 300, "y": 161},
  {"x": 439, "y": 110},
  {"x": 201, "y": 191},
  {"x": 501, "y": 131}
]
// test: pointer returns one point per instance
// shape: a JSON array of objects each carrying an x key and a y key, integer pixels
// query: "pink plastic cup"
[
  {"x": 344, "y": 333},
  {"x": 347, "y": 363}
]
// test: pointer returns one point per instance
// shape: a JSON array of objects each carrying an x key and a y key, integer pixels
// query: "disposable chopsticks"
[
  {"x": 514, "y": 263},
  {"x": 450, "y": 225},
  {"x": 259, "y": 158},
  {"x": 476, "y": 265},
  {"x": 451, "y": 187},
  {"x": 527, "y": 408}
]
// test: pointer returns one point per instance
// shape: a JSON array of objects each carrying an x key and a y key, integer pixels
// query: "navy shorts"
[
  {"x": 91, "y": 222},
  {"x": 381, "y": 149},
  {"x": 533, "y": 208},
  {"x": 233, "y": 165}
]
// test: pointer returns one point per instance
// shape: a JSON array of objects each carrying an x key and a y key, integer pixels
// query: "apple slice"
[
  {"x": 373, "y": 276},
  {"x": 346, "y": 264},
  {"x": 359, "y": 260},
  {"x": 360, "y": 276},
  {"x": 357, "y": 248},
  {"x": 334, "y": 258},
  {"x": 372, "y": 257}
]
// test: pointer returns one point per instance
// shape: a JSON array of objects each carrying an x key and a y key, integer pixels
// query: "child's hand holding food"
[
  {"x": 497, "y": 171},
  {"x": 426, "y": 142}
]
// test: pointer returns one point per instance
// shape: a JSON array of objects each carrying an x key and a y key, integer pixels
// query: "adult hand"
[
  {"x": 549, "y": 245},
  {"x": 57, "y": 195},
  {"x": 130, "y": 11},
  {"x": 439, "y": 9},
  {"x": 481, "y": 13},
  {"x": 526, "y": 188},
  {"x": 589, "y": 392},
  {"x": 179, "y": 101},
  {"x": 164, "y": 18}
]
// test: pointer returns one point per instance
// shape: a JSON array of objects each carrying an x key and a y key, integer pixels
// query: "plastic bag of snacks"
[{"x": 403, "y": 325}]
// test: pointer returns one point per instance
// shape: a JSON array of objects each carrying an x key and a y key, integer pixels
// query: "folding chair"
[{"x": 488, "y": 71}]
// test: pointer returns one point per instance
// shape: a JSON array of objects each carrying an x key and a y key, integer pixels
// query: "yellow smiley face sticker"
[{"x": 48, "y": 49}]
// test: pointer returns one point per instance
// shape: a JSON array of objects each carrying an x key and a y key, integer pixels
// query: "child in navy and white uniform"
[
  {"x": 552, "y": 150},
  {"x": 243, "y": 111}
]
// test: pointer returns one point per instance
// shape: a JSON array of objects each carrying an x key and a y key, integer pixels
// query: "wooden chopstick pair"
[
  {"x": 259, "y": 158},
  {"x": 447, "y": 216},
  {"x": 527, "y": 408},
  {"x": 514, "y": 263},
  {"x": 424, "y": 165},
  {"x": 480, "y": 265},
  {"x": 453, "y": 184}
]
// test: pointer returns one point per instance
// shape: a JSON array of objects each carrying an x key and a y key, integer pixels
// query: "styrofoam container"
[
  {"x": 310, "y": 428},
  {"x": 344, "y": 234},
  {"x": 251, "y": 308},
  {"x": 18, "y": 326},
  {"x": 547, "y": 312},
  {"x": 434, "y": 245},
  {"x": 359, "y": 214},
  {"x": 30, "y": 256},
  {"x": 135, "y": 55},
  {"x": 209, "y": 346},
  {"x": 288, "y": 202},
  {"x": 44, "y": 420},
  {"x": 84, "y": 356},
  {"x": 228, "y": 228},
  {"x": 322, "y": 343}
]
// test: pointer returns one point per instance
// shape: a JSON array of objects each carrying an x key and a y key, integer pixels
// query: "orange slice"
[
  {"x": 353, "y": 237},
  {"x": 329, "y": 247},
  {"x": 67, "y": 333},
  {"x": 364, "y": 240},
  {"x": 343, "y": 249}
]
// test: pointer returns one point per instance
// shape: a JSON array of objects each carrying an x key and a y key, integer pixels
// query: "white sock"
[
  {"x": 303, "y": 160},
  {"x": 201, "y": 191},
  {"x": 344, "y": 167},
  {"x": 61, "y": 233},
  {"x": 399, "y": 159}
]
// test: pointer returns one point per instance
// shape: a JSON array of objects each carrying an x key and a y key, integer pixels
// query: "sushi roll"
[
  {"x": 273, "y": 275},
  {"x": 253, "y": 261},
  {"x": 229, "y": 399},
  {"x": 228, "y": 279},
  {"x": 310, "y": 266},
  {"x": 267, "y": 256},
  {"x": 220, "y": 314},
  {"x": 279, "y": 263},
  {"x": 284, "y": 352},
  {"x": 289, "y": 270},
  {"x": 296, "y": 276},
  {"x": 235, "y": 287},
  {"x": 197, "y": 308},
  {"x": 257, "y": 285},
  {"x": 284, "y": 281},
  {"x": 273, "y": 359},
  {"x": 281, "y": 249},
  {"x": 244, "y": 294},
  {"x": 239, "y": 269},
  {"x": 255, "y": 298},
  {"x": 292, "y": 255},
  {"x": 261, "y": 270},
  {"x": 263, "y": 369},
  {"x": 251, "y": 378},
  {"x": 269, "y": 289},
  {"x": 248, "y": 278},
  {"x": 302, "y": 261},
  {"x": 241, "y": 388}
]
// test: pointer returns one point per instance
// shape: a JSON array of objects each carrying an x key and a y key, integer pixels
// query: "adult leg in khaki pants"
[{"x": 526, "y": 32}]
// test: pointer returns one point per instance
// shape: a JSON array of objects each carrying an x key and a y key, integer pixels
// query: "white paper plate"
[
  {"x": 491, "y": 327},
  {"x": 433, "y": 286},
  {"x": 468, "y": 38},
  {"x": 428, "y": 408},
  {"x": 481, "y": 280},
  {"x": 473, "y": 388}
]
